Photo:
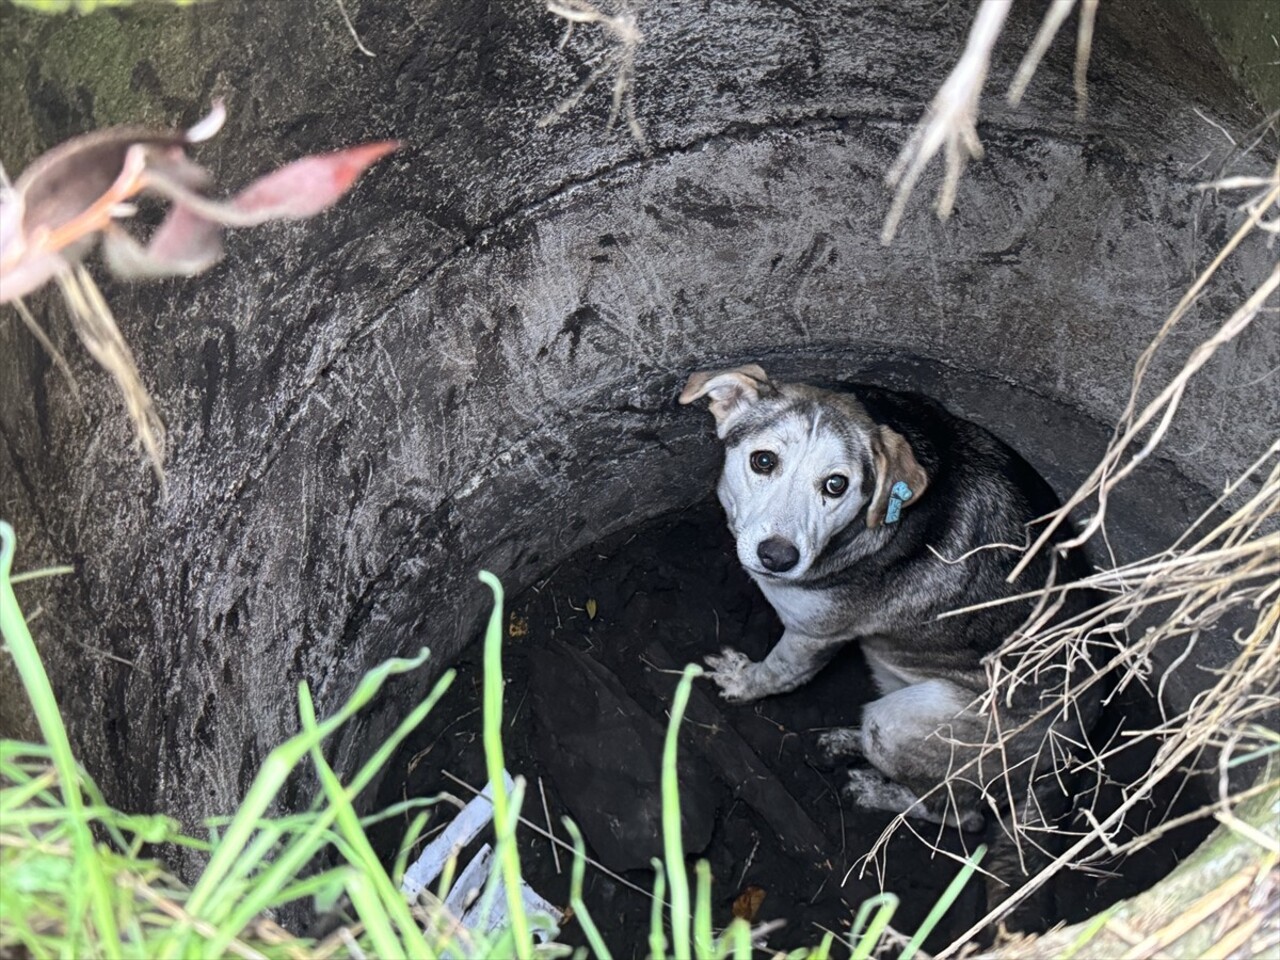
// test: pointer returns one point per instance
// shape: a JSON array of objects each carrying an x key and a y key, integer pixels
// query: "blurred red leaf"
[
  {"x": 308, "y": 186},
  {"x": 77, "y": 192}
]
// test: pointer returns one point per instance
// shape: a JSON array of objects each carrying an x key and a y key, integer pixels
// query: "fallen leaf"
[
  {"x": 747, "y": 904},
  {"x": 591, "y": 608}
]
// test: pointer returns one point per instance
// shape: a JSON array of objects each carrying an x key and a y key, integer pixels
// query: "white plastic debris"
[
  {"x": 470, "y": 884},
  {"x": 467, "y": 899},
  {"x": 470, "y": 820}
]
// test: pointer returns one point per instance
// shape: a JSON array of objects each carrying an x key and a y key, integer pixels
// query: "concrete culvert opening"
[
  {"x": 475, "y": 365},
  {"x": 594, "y": 647}
]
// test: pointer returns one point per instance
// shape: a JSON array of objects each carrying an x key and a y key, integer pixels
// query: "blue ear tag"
[{"x": 899, "y": 495}]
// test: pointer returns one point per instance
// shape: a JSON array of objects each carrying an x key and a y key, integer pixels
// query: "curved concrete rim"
[{"x": 472, "y": 362}]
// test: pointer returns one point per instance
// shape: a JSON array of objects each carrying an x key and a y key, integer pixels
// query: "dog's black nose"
[{"x": 777, "y": 555}]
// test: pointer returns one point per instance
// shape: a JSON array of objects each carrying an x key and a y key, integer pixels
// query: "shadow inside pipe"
[{"x": 590, "y": 651}]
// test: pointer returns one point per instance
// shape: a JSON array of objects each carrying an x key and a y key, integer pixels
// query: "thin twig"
[
  {"x": 546, "y": 812},
  {"x": 58, "y": 360},
  {"x": 1054, "y": 17},
  {"x": 351, "y": 28},
  {"x": 950, "y": 123}
]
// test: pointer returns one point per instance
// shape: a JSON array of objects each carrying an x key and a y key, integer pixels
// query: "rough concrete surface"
[{"x": 472, "y": 362}]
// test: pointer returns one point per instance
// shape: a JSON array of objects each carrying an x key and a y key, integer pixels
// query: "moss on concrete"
[
  {"x": 1247, "y": 34},
  {"x": 100, "y": 54},
  {"x": 111, "y": 67}
]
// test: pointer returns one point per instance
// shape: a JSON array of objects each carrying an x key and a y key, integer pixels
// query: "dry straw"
[
  {"x": 617, "y": 60},
  {"x": 950, "y": 123},
  {"x": 1223, "y": 570}
]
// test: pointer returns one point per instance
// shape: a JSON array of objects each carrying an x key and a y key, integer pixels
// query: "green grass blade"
[
  {"x": 944, "y": 903},
  {"x": 589, "y": 929},
  {"x": 1090, "y": 931},
  {"x": 95, "y": 885},
  {"x": 657, "y": 935},
  {"x": 373, "y": 914},
  {"x": 314, "y": 886},
  {"x": 17, "y": 797},
  {"x": 497, "y": 875},
  {"x": 397, "y": 810},
  {"x": 272, "y": 775},
  {"x": 823, "y": 950},
  {"x": 386, "y": 898},
  {"x": 288, "y": 863},
  {"x": 703, "y": 940},
  {"x": 382, "y": 756},
  {"x": 406, "y": 844},
  {"x": 232, "y": 916},
  {"x": 446, "y": 877},
  {"x": 862, "y": 944},
  {"x": 672, "y": 841},
  {"x": 739, "y": 935},
  {"x": 504, "y": 824}
]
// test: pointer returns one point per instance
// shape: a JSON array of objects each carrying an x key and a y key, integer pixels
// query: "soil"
[{"x": 589, "y": 661}]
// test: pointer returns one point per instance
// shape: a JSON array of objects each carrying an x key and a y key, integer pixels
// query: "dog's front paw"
[
  {"x": 732, "y": 672},
  {"x": 841, "y": 744}
]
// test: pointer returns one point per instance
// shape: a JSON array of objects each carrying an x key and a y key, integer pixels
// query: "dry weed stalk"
[
  {"x": 351, "y": 29},
  {"x": 1218, "y": 569},
  {"x": 618, "y": 61},
  {"x": 950, "y": 122},
  {"x": 97, "y": 329},
  {"x": 1214, "y": 570}
]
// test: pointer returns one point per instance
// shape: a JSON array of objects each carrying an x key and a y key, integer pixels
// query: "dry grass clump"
[
  {"x": 1222, "y": 901},
  {"x": 1223, "y": 570},
  {"x": 618, "y": 60}
]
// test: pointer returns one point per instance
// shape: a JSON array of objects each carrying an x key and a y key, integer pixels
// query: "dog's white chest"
[
  {"x": 888, "y": 676},
  {"x": 806, "y": 611}
]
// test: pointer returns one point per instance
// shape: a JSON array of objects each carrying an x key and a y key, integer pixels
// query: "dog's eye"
[
  {"x": 835, "y": 485},
  {"x": 763, "y": 461}
]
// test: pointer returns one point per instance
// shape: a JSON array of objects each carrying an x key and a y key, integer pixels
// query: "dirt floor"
[{"x": 589, "y": 662}]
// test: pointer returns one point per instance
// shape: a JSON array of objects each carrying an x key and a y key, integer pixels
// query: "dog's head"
[{"x": 801, "y": 464}]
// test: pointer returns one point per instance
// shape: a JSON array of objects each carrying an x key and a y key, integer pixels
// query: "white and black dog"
[{"x": 860, "y": 515}]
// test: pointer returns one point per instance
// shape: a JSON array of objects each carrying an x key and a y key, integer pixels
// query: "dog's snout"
[{"x": 777, "y": 555}]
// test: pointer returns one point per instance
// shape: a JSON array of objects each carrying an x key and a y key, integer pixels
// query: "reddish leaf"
[
  {"x": 306, "y": 187},
  {"x": 77, "y": 191},
  {"x": 184, "y": 245},
  {"x": 186, "y": 239},
  {"x": 73, "y": 177}
]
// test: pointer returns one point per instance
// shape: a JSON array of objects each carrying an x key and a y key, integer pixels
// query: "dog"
[{"x": 864, "y": 516}]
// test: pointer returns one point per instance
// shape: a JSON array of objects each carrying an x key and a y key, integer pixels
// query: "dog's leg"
[
  {"x": 871, "y": 790},
  {"x": 840, "y": 743},
  {"x": 792, "y": 662},
  {"x": 919, "y": 735}
]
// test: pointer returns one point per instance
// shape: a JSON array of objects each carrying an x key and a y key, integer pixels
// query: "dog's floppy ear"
[
  {"x": 731, "y": 391},
  {"x": 900, "y": 480}
]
